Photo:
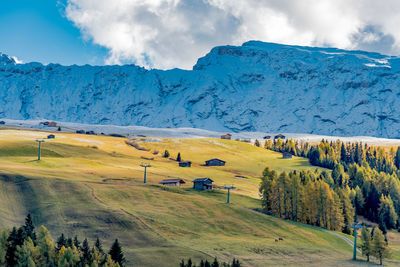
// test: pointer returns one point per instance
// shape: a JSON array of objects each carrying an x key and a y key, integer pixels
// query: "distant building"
[
  {"x": 2, "y": 122},
  {"x": 172, "y": 182},
  {"x": 202, "y": 184},
  {"x": 267, "y": 137},
  {"x": 286, "y": 155},
  {"x": 185, "y": 164},
  {"x": 281, "y": 136},
  {"x": 80, "y": 131},
  {"x": 51, "y": 136},
  {"x": 226, "y": 136},
  {"x": 246, "y": 140},
  {"x": 90, "y": 132},
  {"x": 215, "y": 162},
  {"x": 51, "y": 124}
]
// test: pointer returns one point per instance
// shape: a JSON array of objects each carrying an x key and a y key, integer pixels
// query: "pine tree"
[
  {"x": 61, "y": 242},
  {"x": 215, "y": 263},
  {"x": 397, "y": 158},
  {"x": 257, "y": 143},
  {"x": 29, "y": 228},
  {"x": 15, "y": 238},
  {"x": 366, "y": 242},
  {"x": 166, "y": 154},
  {"x": 85, "y": 252},
  {"x": 98, "y": 245},
  {"x": 379, "y": 247},
  {"x": 387, "y": 213},
  {"x": 116, "y": 253},
  {"x": 178, "y": 158},
  {"x": 76, "y": 243}
]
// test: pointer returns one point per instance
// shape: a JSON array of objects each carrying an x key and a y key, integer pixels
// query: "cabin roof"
[
  {"x": 202, "y": 180},
  {"x": 215, "y": 159}
]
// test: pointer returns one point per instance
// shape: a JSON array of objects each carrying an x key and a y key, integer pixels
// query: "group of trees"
[
  {"x": 206, "y": 263},
  {"x": 166, "y": 154},
  {"x": 27, "y": 247},
  {"x": 374, "y": 244},
  {"x": 370, "y": 175},
  {"x": 307, "y": 197}
]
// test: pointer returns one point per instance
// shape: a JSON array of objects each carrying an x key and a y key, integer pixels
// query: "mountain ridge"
[{"x": 254, "y": 87}]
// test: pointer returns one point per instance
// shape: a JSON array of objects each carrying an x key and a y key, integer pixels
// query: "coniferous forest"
[
  {"x": 28, "y": 246},
  {"x": 364, "y": 181}
]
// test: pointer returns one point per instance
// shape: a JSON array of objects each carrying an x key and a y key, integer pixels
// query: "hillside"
[
  {"x": 93, "y": 186},
  {"x": 304, "y": 90}
]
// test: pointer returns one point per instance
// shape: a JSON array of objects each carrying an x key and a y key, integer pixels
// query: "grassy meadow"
[{"x": 93, "y": 186}]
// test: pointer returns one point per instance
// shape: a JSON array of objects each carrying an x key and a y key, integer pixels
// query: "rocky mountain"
[{"x": 254, "y": 87}]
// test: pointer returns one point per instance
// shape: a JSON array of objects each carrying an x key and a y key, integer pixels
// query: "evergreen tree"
[
  {"x": 257, "y": 143},
  {"x": 178, "y": 158},
  {"x": 76, "y": 243},
  {"x": 215, "y": 263},
  {"x": 116, "y": 253},
  {"x": 85, "y": 252},
  {"x": 98, "y": 245},
  {"x": 397, "y": 158},
  {"x": 366, "y": 242},
  {"x": 61, "y": 242},
  {"x": 46, "y": 248},
  {"x": 379, "y": 248},
  {"x": 14, "y": 239},
  {"x": 166, "y": 154},
  {"x": 69, "y": 258},
  {"x": 387, "y": 214},
  {"x": 29, "y": 228}
]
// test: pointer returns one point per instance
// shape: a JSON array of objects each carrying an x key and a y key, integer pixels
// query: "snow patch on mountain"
[{"x": 256, "y": 87}]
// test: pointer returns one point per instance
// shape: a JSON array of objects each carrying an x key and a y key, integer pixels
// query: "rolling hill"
[{"x": 93, "y": 186}]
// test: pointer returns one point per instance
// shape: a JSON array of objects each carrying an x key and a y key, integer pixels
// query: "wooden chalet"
[
  {"x": 226, "y": 136},
  {"x": 185, "y": 164},
  {"x": 202, "y": 184},
  {"x": 172, "y": 182},
  {"x": 215, "y": 162},
  {"x": 281, "y": 136},
  {"x": 286, "y": 155}
]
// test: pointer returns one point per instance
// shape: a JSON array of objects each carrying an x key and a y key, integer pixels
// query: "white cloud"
[{"x": 174, "y": 33}]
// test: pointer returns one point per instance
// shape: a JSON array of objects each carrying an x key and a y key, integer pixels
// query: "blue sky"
[
  {"x": 175, "y": 33},
  {"x": 37, "y": 30}
]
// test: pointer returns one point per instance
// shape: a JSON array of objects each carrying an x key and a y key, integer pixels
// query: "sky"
[{"x": 175, "y": 33}]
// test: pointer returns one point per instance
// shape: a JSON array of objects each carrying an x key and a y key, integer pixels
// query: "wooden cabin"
[
  {"x": 172, "y": 182},
  {"x": 281, "y": 136},
  {"x": 286, "y": 155},
  {"x": 226, "y": 136},
  {"x": 215, "y": 162},
  {"x": 202, "y": 184},
  {"x": 52, "y": 124},
  {"x": 185, "y": 164}
]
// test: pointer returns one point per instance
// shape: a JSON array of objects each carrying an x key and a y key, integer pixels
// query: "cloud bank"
[{"x": 175, "y": 33}]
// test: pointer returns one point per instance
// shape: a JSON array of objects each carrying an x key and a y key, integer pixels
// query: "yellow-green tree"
[
  {"x": 366, "y": 242},
  {"x": 379, "y": 248},
  {"x": 27, "y": 254}
]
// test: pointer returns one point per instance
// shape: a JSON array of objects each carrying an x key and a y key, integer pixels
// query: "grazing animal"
[
  {"x": 280, "y": 239},
  {"x": 276, "y": 240}
]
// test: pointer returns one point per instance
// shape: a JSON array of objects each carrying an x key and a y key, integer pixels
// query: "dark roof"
[
  {"x": 279, "y": 135},
  {"x": 202, "y": 180},
  {"x": 168, "y": 181},
  {"x": 215, "y": 159}
]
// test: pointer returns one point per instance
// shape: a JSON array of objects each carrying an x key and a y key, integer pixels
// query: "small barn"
[
  {"x": 226, "y": 136},
  {"x": 185, "y": 164},
  {"x": 52, "y": 124},
  {"x": 215, "y": 162},
  {"x": 80, "y": 131},
  {"x": 51, "y": 136},
  {"x": 172, "y": 182},
  {"x": 267, "y": 137},
  {"x": 202, "y": 183},
  {"x": 286, "y": 155},
  {"x": 281, "y": 136}
]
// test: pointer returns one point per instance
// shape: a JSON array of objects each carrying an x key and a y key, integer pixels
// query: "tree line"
[
  {"x": 206, "y": 263},
  {"x": 26, "y": 247},
  {"x": 369, "y": 174}
]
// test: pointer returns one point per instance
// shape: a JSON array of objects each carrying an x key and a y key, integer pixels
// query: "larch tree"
[
  {"x": 379, "y": 248},
  {"x": 366, "y": 242}
]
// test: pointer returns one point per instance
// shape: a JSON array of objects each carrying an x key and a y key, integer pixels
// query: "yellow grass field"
[{"x": 93, "y": 186}]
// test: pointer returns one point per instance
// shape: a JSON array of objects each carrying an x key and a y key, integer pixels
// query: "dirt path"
[{"x": 346, "y": 239}]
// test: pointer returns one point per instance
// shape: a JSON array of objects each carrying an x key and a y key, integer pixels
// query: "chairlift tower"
[
  {"x": 229, "y": 187},
  {"x": 145, "y": 166},
  {"x": 355, "y": 226},
  {"x": 40, "y": 141}
]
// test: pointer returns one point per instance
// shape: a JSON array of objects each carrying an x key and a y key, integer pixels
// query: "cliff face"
[{"x": 254, "y": 87}]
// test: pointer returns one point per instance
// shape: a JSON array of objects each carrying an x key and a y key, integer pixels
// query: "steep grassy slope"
[{"x": 79, "y": 189}]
